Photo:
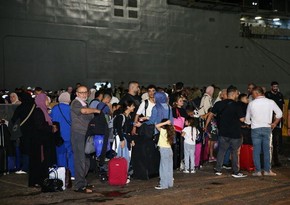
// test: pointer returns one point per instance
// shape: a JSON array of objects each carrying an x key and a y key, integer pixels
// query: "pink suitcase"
[
  {"x": 197, "y": 154},
  {"x": 205, "y": 153},
  {"x": 117, "y": 171}
]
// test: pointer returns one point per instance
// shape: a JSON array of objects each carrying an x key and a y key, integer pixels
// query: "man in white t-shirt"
[
  {"x": 260, "y": 117},
  {"x": 144, "y": 111}
]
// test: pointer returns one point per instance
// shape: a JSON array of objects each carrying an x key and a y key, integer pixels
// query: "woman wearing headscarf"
[
  {"x": 147, "y": 165},
  {"x": 14, "y": 99},
  {"x": 23, "y": 114},
  {"x": 42, "y": 144},
  {"x": 145, "y": 155},
  {"x": 61, "y": 113},
  {"x": 206, "y": 102},
  {"x": 205, "y": 105},
  {"x": 161, "y": 110}
]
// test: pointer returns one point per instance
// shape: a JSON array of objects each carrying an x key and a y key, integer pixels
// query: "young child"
[
  {"x": 189, "y": 133},
  {"x": 165, "y": 141}
]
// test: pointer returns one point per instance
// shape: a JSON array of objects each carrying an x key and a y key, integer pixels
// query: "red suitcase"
[
  {"x": 117, "y": 171},
  {"x": 246, "y": 158}
]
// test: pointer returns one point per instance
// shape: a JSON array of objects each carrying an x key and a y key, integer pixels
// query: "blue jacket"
[{"x": 64, "y": 119}]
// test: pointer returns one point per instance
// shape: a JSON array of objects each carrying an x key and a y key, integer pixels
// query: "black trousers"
[
  {"x": 277, "y": 134},
  {"x": 178, "y": 150}
]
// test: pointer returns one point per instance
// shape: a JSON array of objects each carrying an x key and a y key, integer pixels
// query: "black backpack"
[{"x": 98, "y": 125}]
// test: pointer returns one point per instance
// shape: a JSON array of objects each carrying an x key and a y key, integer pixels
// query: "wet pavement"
[{"x": 202, "y": 187}]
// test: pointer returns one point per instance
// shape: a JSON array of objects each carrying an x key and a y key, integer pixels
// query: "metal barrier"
[{"x": 6, "y": 111}]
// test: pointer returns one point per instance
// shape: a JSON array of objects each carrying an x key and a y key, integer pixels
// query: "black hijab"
[{"x": 22, "y": 111}]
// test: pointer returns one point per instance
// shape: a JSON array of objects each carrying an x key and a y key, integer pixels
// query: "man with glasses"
[{"x": 80, "y": 118}]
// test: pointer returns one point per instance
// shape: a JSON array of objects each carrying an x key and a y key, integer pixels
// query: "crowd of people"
[{"x": 191, "y": 126}]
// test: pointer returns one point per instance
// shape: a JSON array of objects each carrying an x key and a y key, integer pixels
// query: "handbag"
[
  {"x": 90, "y": 145},
  {"x": 59, "y": 173},
  {"x": 14, "y": 128},
  {"x": 52, "y": 185},
  {"x": 199, "y": 137},
  {"x": 58, "y": 140},
  {"x": 178, "y": 122}
]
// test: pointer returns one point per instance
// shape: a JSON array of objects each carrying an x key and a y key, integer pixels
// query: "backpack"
[
  {"x": 146, "y": 106},
  {"x": 98, "y": 125},
  {"x": 113, "y": 123},
  {"x": 94, "y": 101}
]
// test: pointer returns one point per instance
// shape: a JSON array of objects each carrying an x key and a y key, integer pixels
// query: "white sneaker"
[
  {"x": 186, "y": 171},
  {"x": 158, "y": 187},
  {"x": 257, "y": 174},
  {"x": 216, "y": 172},
  {"x": 239, "y": 175},
  {"x": 192, "y": 171},
  {"x": 270, "y": 174},
  {"x": 128, "y": 181},
  {"x": 72, "y": 178},
  {"x": 20, "y": 172}
]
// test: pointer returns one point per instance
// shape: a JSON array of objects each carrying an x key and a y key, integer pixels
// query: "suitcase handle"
[{"x": 115, "y": 138}]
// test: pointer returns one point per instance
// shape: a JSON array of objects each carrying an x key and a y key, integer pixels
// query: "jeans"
[
  {"x": 189, "y": 156},
  {"x": 261, "y": 139},
  {"x": 166, "y": 167},
  {"x": 227, "y": 156},
  {"x": 124, "y": 152},
  {"x": 25, "y": 162},
  {"x": 224, "y": 144}
]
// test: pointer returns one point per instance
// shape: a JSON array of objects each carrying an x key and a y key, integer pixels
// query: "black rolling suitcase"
[
  {"x": 153, "y": 159},
  {"x": 145, "y": 159},
  {"x": 3, "y": 154}
]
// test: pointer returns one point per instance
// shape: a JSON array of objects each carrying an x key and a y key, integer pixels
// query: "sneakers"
[
  {"x": 270, "y": 174},
  {"x": 72, "y": 178},
  {"x": 186, "y": 171},
  {"x": 20, "y": 172},
  {"x": 218, "y": 173},
  {"x": 212, "y": 159},
  {"x": 158, "y": 187},
  {"x": 227, "y": 167},
  {"x": 257, "y": 174},
  {"x": 239, "y": 175},
  {"x": 192, "y": 171},
  {"x": 128, "y": 181}
]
